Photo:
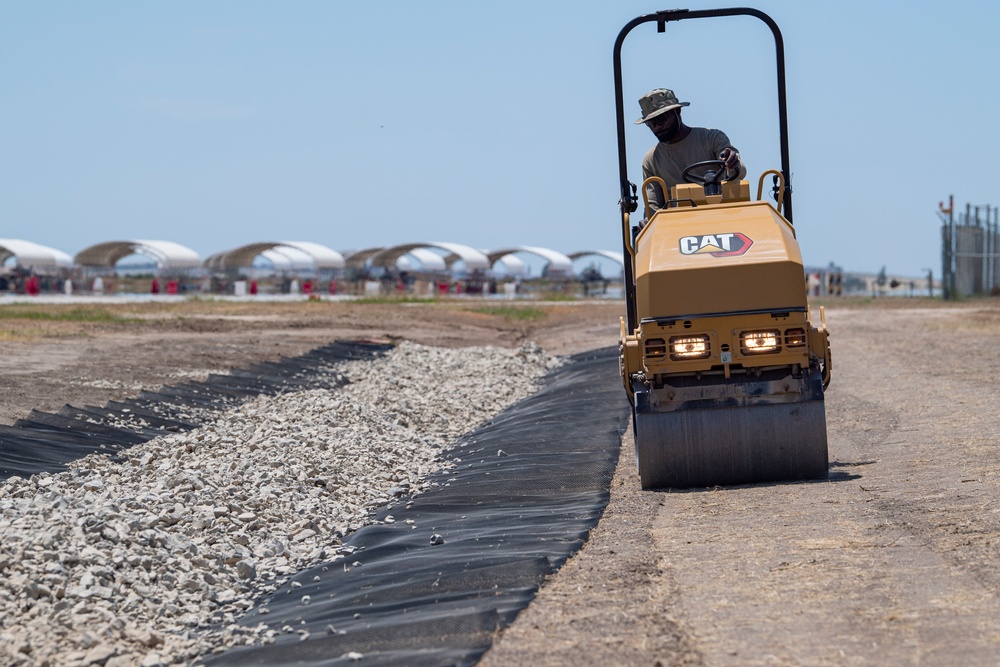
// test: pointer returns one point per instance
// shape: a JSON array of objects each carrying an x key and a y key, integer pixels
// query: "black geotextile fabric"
[
  {"x": 459, "y": 561},
  {"x": 46, "y": 442}
]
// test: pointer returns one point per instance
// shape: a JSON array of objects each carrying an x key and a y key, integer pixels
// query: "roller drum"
[{"x": 699, "y": 447}]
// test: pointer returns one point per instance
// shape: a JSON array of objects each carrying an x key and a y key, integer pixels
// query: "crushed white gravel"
[{"x": 150, "y": 560}]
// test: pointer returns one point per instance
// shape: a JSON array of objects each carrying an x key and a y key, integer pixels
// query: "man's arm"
[
  {"x": 734, "y": 164},
  {"x": 654, "y": 193},
  {"x": 724, "y": 150}
]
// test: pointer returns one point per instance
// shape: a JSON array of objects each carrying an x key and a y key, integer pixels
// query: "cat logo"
[{"x": 731, "y": 244}]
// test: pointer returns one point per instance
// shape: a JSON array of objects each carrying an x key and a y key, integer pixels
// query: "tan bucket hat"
[{"x": 656, "y": 102}]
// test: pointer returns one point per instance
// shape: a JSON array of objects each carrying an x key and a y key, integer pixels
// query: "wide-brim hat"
[{"x": 658, "y": 102}]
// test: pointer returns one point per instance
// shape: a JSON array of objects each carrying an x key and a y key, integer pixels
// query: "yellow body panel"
[
  {"x": 722, "y": 342},
  {"x": 731, "y": 191},
  {"x": 677, "y": 275},
  {"x": 714, "y": 272}
]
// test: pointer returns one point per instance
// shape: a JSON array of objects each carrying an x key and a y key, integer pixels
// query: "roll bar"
[{"x": 629, "y": 201}]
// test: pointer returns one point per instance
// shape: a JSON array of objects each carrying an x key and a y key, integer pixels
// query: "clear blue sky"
[{"x": 359, "y": 124}]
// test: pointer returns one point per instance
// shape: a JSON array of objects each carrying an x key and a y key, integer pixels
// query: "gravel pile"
[{"x": 149, "y": 559}]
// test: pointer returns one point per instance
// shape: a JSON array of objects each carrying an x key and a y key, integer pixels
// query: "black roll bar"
[{"x": 629, "y": 201}]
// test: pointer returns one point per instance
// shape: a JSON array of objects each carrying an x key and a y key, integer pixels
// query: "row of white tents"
[{"x": 296, "y": 256}]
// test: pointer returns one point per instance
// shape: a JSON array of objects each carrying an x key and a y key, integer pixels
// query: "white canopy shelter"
[
  {"x": 283, "y": 255},
  {"x": 607, "y": 254},
  {"x": 558, "y": 264},
  {"x": 33, "y": 255},
  {"x": 166, "y": 254},
  {"x": 472, "y": 258},
  {"x": 512, "y": 265},
  {"x": 287, "y": 258},
  {"x": 322, "y": 256},
  {"x": 427, "y": 260}
]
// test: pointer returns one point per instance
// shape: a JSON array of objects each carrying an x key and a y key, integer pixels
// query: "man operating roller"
[{"x": 679, "y": 145}]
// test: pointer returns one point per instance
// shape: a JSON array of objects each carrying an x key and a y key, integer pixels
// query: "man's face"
[{"x": 665, "y": 125}]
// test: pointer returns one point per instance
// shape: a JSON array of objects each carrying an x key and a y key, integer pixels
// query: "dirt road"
[{"x": 893, "y": 561}]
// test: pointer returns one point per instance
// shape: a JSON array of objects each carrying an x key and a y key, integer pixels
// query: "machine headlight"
[
  {"x": 689, "y": 347},
  {"x": 760, "y": 342},
  {"x": 795, "y": 337}
]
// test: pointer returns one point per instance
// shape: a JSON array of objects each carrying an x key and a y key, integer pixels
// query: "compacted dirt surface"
[{"x": 894, "y": 560}]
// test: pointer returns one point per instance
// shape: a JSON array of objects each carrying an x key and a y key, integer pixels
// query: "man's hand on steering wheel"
[{"x": 731, "y": 159}]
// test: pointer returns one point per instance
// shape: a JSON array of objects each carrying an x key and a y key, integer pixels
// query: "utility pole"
[{"x": 947, "y": 216}]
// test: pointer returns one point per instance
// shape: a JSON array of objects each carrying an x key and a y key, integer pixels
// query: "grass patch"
[
  {"x": 558, "y": 296},
  {"x": 393, "y": 299},
  {"x": 511, "y": 312},
  {"x": 73, "y": 315}
]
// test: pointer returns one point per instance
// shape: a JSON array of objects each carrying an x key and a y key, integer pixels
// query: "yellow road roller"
[{"x": 721, "y": 356}]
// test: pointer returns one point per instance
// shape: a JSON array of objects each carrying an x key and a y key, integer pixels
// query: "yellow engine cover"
[{"x": 717, "y": 258}]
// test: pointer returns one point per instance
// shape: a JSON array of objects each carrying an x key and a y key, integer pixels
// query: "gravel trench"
[{"x": 149, "y": 558}]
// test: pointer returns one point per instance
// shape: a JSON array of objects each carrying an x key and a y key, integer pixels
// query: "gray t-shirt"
[{"x": 669, "y": 160}]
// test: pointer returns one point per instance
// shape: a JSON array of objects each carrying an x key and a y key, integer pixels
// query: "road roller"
[{"x": 722, "y": 358}]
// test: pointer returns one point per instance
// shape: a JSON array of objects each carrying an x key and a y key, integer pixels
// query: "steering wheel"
[{"x": 714, "y": 171}]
